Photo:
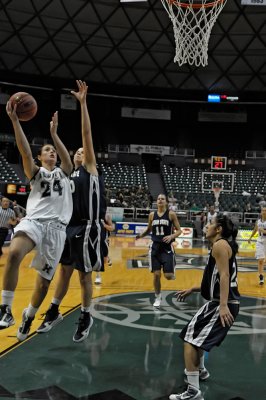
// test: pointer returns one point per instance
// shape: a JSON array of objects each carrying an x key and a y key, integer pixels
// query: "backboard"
[{"x": 223, "y": 180}]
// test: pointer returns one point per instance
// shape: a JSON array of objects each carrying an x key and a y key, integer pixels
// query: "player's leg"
[
  {"x": 19, "y": 247},
  {"x": 85, "y": 319},
  {"x": 39, "y": 293},
  {"x": 168, "y": 260},
  {"x": 260, "y": 256},
  {"x": 52, "y": 315}
]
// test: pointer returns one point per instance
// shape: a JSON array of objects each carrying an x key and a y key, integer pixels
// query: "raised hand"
[
  {"x": 54, "y": 123},
  {"x": 11, "y": 111},
  {"x": 82, "y": 91}
]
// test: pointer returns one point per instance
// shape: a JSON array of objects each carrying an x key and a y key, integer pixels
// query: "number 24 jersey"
[{"x": 50, "y": 197}]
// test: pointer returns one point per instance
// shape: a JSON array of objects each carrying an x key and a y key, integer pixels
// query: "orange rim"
[{"x": 186, "y": 5}]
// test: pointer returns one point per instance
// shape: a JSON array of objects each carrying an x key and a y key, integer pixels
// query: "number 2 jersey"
[
  {"x": 50, "y": 197},
  {"x": 210, "y": 285}
]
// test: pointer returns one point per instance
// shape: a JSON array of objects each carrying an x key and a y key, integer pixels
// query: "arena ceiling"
[{"x": 128, "y": 44}]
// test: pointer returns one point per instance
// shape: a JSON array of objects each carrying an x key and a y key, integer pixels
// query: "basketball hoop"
[
  {"x": 193, "y": 21},
  {"x": 216, "y": 192}
]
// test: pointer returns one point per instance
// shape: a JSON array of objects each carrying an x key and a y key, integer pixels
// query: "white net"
[
  {"x": 193, "y": 21},
  {"x": 216, "y": 192}
]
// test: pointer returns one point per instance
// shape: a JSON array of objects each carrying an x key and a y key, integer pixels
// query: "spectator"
[
  {"x": 235, "y": 208},
  {"x": 7, "y": 218}
]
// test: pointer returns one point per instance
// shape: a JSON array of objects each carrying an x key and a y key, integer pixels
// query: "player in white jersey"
[
  {"x": 49, "y": 209},
  {"x": 210, "y": 215},
  {"x": 260, "y": 227}
]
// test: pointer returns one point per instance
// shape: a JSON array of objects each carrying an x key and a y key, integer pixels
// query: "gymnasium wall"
[{"x": 183, "y": 130}]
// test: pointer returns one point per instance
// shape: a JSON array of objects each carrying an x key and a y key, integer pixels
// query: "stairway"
[{"x": 155, "y": 184}]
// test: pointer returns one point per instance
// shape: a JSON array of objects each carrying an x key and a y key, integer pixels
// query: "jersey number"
[
  {"x": 159, "y": 231},
  {"x": 47, "y": 188}
]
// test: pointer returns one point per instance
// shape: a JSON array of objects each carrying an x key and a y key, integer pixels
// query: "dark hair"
[
  {"x": 229, "y": 230},
  {"x": 39, "y": 153}
]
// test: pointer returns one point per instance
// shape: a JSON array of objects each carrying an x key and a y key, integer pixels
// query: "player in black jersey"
[
  {"x": 83, "y": 250},
  {"x": 210, "y": 325},
  {"x": 162, "y": 255},
  {"x": 107, "y": 228}
]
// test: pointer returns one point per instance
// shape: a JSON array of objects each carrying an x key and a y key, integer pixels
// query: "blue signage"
[{"x": 214, "y": 98}]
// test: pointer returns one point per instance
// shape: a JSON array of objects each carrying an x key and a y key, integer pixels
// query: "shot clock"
[{"x": 218, "y": 163}]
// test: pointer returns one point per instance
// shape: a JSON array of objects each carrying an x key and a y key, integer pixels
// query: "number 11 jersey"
[{"x": 161, "y": 227}]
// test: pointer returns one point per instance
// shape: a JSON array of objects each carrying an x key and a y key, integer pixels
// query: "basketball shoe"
[
  {"x": 158, "y": 299},
  {"x": 52, "y": 318},
  {"x": 261, "y": 278},
  {"x": 191, "y": 393},
  {"x": 6, "y": 317},
  {"x": 24, "y": 328},
  {"x": 84, "y": 326},
  {"x": 98, "y": 279}
]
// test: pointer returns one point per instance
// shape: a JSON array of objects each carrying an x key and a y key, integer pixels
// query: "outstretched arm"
[
  {"x": 148, "y": 229},
  {"x": 255, "y": 230},
  {"x": 66, "y": 163},
  {"x": 22, "y": 143},
  {"x": 89, "y": 160},
  {"x": 108, "y": 224},
  {"x": 182, "y": 294}
]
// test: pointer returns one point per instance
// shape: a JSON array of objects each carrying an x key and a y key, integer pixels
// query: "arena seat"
[
  {"x": 123, "y": 175},
  {"x": 7, "y": 172},
  {"x": 188, "y": 181}
]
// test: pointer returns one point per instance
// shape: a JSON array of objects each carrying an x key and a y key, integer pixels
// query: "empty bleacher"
[
  {"x": 119, "y": 176},
  {"x": 187, "y": 181},
  {"x": 7, "y": 172}
]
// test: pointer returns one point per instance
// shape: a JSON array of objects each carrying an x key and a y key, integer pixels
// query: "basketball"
[{"x": 26, "y": 105}]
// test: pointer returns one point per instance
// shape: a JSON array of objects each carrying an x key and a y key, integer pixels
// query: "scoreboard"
[
  {"x": 218, "y": 163},
  {"x": 14, "y": 188}
]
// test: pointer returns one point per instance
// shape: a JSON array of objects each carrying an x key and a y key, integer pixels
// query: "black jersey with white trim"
[
  {"x": 210, "y": 285},
  {"x": 161, "y": 226},
  {"x": 88, "y": 196}
]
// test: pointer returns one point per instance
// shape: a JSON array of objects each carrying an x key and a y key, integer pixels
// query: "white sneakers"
[
  {"x": 158, "y": 299},
  {"x": 191, "y": 393},
  {"x": 98, "y": 279}
]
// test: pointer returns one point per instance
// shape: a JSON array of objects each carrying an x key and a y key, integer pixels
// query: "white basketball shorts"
[
  {"x": 260, "y": 248},
  {"x": 49, "y": 238}
]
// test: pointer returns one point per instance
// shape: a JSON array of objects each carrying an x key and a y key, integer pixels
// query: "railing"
[
  {"x": 140, "y": 214},
  {"x": 129, "y": 213},
  {"x": 251, "y": 218}
]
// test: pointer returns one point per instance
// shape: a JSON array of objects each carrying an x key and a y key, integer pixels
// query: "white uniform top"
[
  {"x": 261, "y": 225},
  {"x": 210, "y": 217},
  {"x": 50, "y": 197}
]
